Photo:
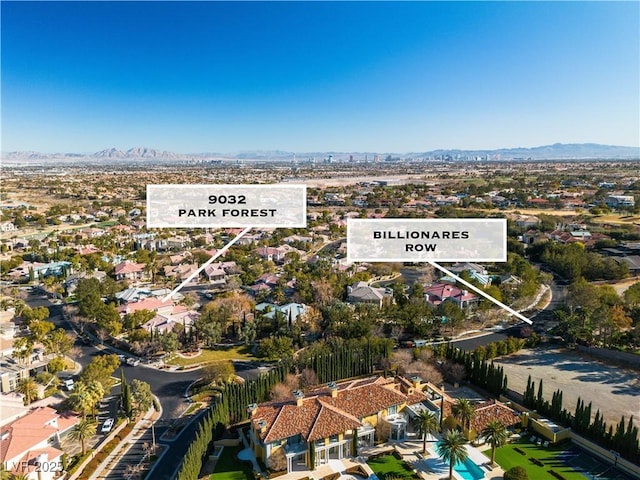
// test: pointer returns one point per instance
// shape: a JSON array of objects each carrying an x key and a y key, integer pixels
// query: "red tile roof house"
[
  {"x": 492, "y": 410},
  {"x": 32, "y": 439},
  {"x": 484, "y": 412},
  {"x": 153, "y": 304},
  {"x": 130, "y": 271},
  {"x": 440, "y": 292},
  {"x": 165, "y": 322},
  {"x": 182, "y": 272},
  {"x": 328, "y": 420},
  {"x": 215, "y": 274}
]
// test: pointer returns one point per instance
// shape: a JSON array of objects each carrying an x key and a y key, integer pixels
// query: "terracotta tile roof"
[
  {"x": 362, "y": 402},
  {"x": 286, "y": 420},
  {"x": 416, "y": 397},
  {"x": 128, "y": 267},
  {"x": 331, "y": 421},
  {"x": 153, "y": 304},
  {"x": 27, "y": 464},
  {"x": 320, "y": 415},
  {"x": 493, "y": 410},
  {"x": 438, "y": 292},
  {"x": 33, "y": 429}
]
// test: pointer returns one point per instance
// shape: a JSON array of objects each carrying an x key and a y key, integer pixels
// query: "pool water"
[{"x": 469, "y": 470}]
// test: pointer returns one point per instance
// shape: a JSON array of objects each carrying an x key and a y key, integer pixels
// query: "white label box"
[
  {"x": 202, "y": 206},
  {"x": 420, "y": 240}
]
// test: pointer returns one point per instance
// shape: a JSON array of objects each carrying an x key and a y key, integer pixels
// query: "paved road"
[
  {"x": 169, "y": 387},
  {"x": 541, "y": 322},
  {"x": 167, "y": 465}
]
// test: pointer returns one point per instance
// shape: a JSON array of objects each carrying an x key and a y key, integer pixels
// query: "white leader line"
[
  {"x": 206, "y": 264},
  {"x": 481, "y": 292}
]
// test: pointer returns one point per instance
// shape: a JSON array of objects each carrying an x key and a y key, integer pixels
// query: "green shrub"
[
  {"x": 516, "y": 473},
  {"x": 558, "y": 475}
]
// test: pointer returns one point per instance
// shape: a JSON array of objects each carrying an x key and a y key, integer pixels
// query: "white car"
[
  {"x": 68, "y": 384},
  {"x": 107, "y": 425},
  {"x": 134, "y": 362}
]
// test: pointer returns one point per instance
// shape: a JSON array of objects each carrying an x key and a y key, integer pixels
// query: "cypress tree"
[
  {"x": 312, "y": 455},
  {"x": 125, "y": 395},
  {"x": 539, "y": 400},
  {"x": 529, "y": 393}
]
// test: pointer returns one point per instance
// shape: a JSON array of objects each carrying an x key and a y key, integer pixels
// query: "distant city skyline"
[{"x": 318, "y": 76}]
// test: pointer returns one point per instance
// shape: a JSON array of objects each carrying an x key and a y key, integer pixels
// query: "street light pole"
[{"x": 616, "y": 455}]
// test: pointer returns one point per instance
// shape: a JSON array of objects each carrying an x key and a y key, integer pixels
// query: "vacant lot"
[{"x": 613, "y": 390}]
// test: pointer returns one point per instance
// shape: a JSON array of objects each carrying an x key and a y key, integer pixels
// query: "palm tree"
[
  {"x": 132, "y": 471},
  {"x": 496, "y": 435},
  {"x": 4, "y": 474},
  {"x": 84, "y": 430},
  {"x": 29, "y": 388},
  {"x": 20, "y": 476},
  {"x": 22, "y": 349},
  {"x": 82, "y": 399},
  {"x": 464, "y": 412},
  {"x": 97, "y": 392},
  {"x": 426, "y": 423},
  {"x": 452, "y": 449}
]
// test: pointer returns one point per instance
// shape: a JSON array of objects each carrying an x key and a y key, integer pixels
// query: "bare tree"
[
  {"x": 308, "y": 378},
  {"x": 453, "y": 372},
  {"x": 277, "y": 461},
  {"x": 279, "y": 392},
  {"x": 428, "y": 275},
  {"x": 396, "y": 332},
  {"x": 426, "y": 371},
  {"x": 133, "y": 472},
  {"x": 282, "y": 390},
  {"x": 402, "y": 359},
  {"x": 102, "y": 335}
]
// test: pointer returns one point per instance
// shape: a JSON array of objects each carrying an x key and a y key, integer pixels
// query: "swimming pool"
[{"x": 469, "y": 470}]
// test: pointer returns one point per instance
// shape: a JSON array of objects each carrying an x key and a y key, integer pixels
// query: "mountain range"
[{"x": 556, "y": 151}]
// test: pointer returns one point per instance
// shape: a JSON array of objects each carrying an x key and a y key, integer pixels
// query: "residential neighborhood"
[
  {"x": 291, "y": 295},
  {"x": 326, "y": 240}
]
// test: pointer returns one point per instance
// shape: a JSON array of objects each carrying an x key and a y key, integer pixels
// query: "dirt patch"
[
  {"x": 613, "y": 390},
  {"x": 620, "y": 286}
]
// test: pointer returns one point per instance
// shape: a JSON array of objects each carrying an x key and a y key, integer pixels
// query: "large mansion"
[
  {"x": 311, "y": 428},
  {"x": 324, "y": 423}
]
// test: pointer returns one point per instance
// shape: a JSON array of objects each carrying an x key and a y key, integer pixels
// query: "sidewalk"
[{"x": 141, "y": 427}]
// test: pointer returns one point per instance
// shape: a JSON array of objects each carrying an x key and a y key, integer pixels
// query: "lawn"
[
  {"x": 192, "y": 408},
  {"x": 615, "y": 218},
  {"x": 230, "y": 468},
  {"x": 508, "y": 457},
  {"x": 389, "y": 464},
  {"x": 216, "y": 355}
]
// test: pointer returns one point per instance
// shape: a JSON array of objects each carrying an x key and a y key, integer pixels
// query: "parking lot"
[{"x": 613, "y": 390}]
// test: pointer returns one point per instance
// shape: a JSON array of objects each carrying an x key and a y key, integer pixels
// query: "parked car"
[
  {"x": 107, "y": 425},
  {"x": 68, "y": 384},
  {"x": 134, "y": 362}
]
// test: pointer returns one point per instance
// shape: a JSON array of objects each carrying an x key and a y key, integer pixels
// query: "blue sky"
[{"x": 326, "y": 76}]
